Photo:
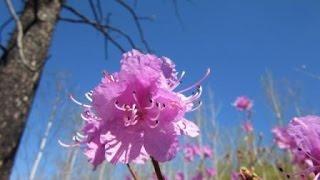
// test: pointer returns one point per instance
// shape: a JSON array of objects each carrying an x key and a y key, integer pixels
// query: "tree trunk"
[{"x": 18, "y": 82}]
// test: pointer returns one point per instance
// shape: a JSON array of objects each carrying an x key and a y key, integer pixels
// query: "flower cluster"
[
  {"x": 191, "y": 151},
  {"x": 136, "y": 114},
  {"x": 244, "y": 104},
  {"x": 302, "y": 138}
]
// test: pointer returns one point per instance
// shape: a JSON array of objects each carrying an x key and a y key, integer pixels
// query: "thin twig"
[
  {"x": 95, "y": 25},
  {"x": 100, "y": 13},
  {"x": 157, "y": 169},
  {"x": 106, "y": 42},
  {"x": 133, "y": 174},
  {"x": 94, "y": 11},
  {"x": 137, "y": 22},
  {"x": 19, "y": 36},
  {"x": 176, "y": 11}
]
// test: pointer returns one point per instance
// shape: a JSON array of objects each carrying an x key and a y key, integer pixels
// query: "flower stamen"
[
  {"x": 198, "y": 105},
  {"x": 197, "y": 83},
  {"x": 121, "y": 108},
  {"x": 78, "y": 102}
]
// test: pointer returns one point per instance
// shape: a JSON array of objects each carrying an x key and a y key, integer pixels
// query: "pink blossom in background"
[
  {"x": 191, "y": 151},
  {"x": 135, "y": 113},
  {"x": 179, "y": 176},
  {"x": 211, "y": 172},
  {"x": 247, "y": 127},
  {"x": 198, "y": 176},
  {"x": 243, "y": 103},
  {"x": 206, "y": 152},
  {"x": 235, "y": 176}
]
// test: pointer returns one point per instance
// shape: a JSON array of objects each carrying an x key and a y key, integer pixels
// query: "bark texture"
[{"x": 17, "y": 82}]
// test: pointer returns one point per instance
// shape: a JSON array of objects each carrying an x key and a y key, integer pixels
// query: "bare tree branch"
[
  {"x": 95, "y": 25},
  {"x": 99, "y": 8},
  {"x": 106, "y": 42},
  {"x": 177, "y": 12},
  {"x": 137, "y": 22},
  {"x": 94, "y": 11}
]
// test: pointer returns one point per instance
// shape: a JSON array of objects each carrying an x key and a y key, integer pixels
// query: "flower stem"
[
  {"x": 132, "y": 172},
  {"x": 157, "y": 169}
]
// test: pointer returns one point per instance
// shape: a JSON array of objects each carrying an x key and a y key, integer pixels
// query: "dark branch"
[
  {"x": 97, "y": 26},
  {"x": 137, "y": 22},
  {"x": 176, "y": 11},
  {"x": 106, "y": 42},
  {"x": 100, "y": 26},
  {"x": 94, "y": 11},
  {"x": 99, "y": 8}
]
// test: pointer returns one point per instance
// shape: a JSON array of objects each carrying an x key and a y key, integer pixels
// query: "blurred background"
[{"x": 265, "y": 50}]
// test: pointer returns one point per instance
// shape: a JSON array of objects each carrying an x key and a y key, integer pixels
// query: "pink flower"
[
  {"x": 128, "y": 177},
  {"x": 285, "y": 141},
  {"x": 198, "y": 176},
  {"x": 247, "y": 127},
  {"x": 179, "y": 176},
  {"x": 206, "y": 152},
  {"x": 135, "y": 113},
  {"x": 305, "y": 132},
  {"x": 190, "y": 151},
  {"x": 203, "y": 151},
  {"x": 243, "y": 103},
  {"x": 282, "y": 138},
  {"x": 235, "y": 176},
  {"x": 211, "y": 172}
]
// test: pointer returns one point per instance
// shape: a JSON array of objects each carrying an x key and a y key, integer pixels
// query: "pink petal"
[
  {"x": 161, "y": 143},
  {"x": 186, "y": 127}
]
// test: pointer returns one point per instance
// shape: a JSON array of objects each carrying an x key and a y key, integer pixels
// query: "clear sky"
[{"x": 238, "y": 40}]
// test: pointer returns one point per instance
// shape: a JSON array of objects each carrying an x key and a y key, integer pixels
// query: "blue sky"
[{"x": 238, "y": 40}]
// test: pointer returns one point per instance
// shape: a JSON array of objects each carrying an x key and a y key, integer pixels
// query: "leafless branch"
[
  {"x": 106, "y": 42},
  {"x": 137, "y": 22},
  {"x": 99, "y": 8},
  {"x": 177, "y": 12},
  {"x": 105, "y": 27},
  {"x": 94, "y": 11},
  {"x": 147, "y": 18},
  {"x": 97, "y": 26}
]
